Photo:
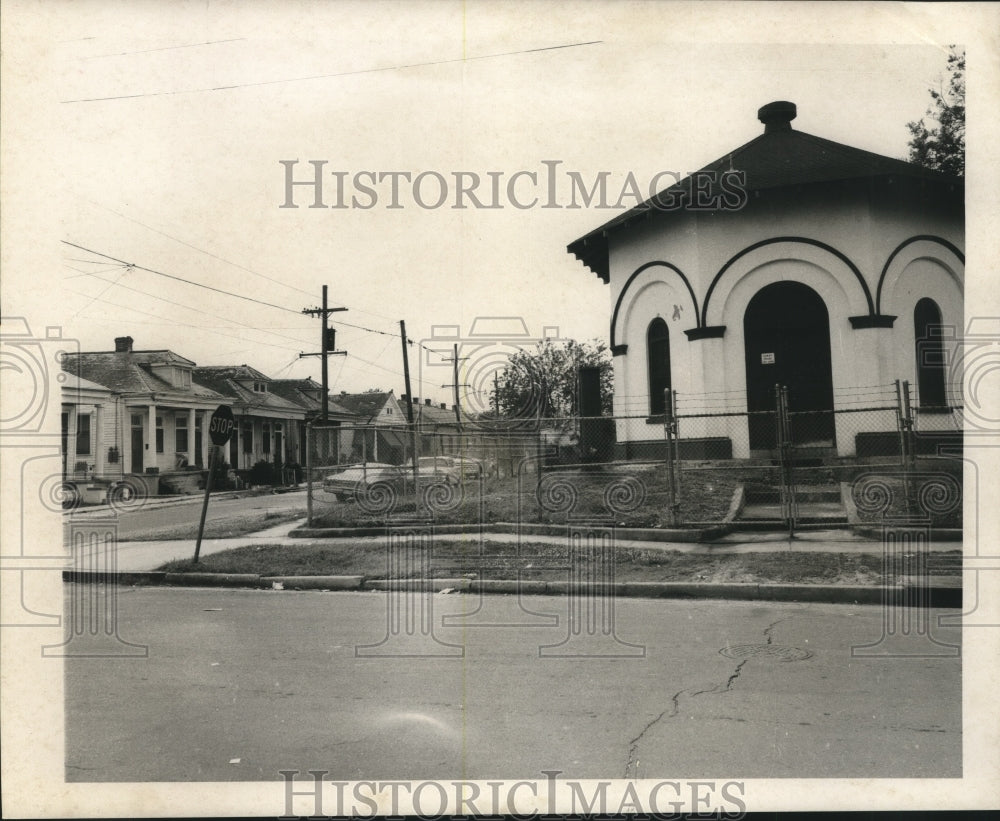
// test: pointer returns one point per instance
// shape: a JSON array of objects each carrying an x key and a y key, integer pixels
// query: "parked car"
[
  {"x": 438, "y": 468},
  {"x": 347, "y": 483},
  {"x": 467, "y": 467}
]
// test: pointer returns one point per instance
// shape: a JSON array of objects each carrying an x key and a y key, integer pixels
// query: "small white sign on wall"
[{"x": 767, "y": 359}]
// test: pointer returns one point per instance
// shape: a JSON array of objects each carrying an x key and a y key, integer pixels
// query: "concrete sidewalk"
[{"x": 135, "y": 557}]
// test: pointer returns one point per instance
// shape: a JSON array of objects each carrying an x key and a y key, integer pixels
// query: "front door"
[
  {"x": 137, "y": 443},
  {"x": 786, "y": 331}
]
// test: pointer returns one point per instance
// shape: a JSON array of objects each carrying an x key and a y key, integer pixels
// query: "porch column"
[
  {"x": 191, "y": 432},
  {"x": 149, "y": 438},
  {"x": 97, "y": 439},
  {"x": 71, "y": 456},
  {"x": 205, "y": 440}
]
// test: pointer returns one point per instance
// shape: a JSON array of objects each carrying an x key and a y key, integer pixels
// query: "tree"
[
  {"x": 545, "y": 379},
  {"x": 942, "y": 146}
]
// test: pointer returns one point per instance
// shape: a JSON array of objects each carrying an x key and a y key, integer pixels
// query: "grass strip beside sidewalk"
[{"x": 502, "y": 560}]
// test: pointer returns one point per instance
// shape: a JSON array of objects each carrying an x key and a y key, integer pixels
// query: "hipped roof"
[{"x": 778, "y": 158}]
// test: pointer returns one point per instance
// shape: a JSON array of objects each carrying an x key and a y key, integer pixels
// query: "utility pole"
[
  {"x": 327, "y": 347},
  {"x": 409, "y": 400},
  {"x": 406, "y": 373},
  {"x": 455, "y": 383}
]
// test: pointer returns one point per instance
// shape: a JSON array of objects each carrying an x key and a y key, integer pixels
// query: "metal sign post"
[{"x": 220, "y": 430}]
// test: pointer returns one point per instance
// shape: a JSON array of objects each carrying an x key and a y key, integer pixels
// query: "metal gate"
[{"x": 801, "y": 480}]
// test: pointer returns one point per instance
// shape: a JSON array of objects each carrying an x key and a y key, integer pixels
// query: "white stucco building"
[{"x": 792, "y": 260}]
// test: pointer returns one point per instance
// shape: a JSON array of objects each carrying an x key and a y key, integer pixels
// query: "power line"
[
  {"x": 163, "y": 48},
  {"x": 180, "y": 279},
  {"x": 137, "y": 267},
  {"x": 330, "y": 76},
  {"x": 182, "y": 324},
  {"x": 190, "y": 308},
  {"x": 199, "y": 250}
]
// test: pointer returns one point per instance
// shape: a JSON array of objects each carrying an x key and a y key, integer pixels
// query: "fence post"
[
  {"x": 677, "y": 450},
  {"x": 668, "y": 425},
  {"x": 908, "y": 423},
  {"x": 782, "y": 436},
  {"x": 901, "y": 424},
  {"x": 910, "y": 462},
  {"x": 309, "y": 476}
]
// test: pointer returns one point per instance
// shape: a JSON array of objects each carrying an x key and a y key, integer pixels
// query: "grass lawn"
[
  {"x": 230, "y": 527},
  {"x": 547, "y": 561}
]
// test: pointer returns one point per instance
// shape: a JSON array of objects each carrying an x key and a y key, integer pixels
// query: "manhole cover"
[{"x": 775, "y": 651}]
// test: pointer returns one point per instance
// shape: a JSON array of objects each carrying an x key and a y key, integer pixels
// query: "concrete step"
[
  {"x": 812, "y": 512},
  {"x": 803, "y": 493}
]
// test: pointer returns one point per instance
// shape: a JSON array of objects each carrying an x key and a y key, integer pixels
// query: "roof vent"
[
  {"x": 123, "y": 344},
  {"x": 777, "y": 116}
]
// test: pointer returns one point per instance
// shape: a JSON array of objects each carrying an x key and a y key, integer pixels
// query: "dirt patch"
[{"x": 636, "y": 498}]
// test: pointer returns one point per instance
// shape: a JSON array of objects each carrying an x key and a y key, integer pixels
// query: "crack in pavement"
[
  {"x": 632, "y": 762},
  {"x": 771, "y": 626}
]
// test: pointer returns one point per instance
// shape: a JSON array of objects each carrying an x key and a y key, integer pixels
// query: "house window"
[
  {"x": 181, "y": 434},
  {"x": 260, "y": 387},
  {"x": 159, "y": 434},
  {"x": 248, "y": 437},
  {"x": 930, "y": 354},
  {"x": 265, "y": 437},
  {"x": 197, "y": 441},
  {"x": 83, "y": 434},
  {"x": 388, "y": 411},
  {"x": 658, "y": 354}
]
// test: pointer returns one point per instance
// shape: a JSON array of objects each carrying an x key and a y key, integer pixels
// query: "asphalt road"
[
  {"x": 221, "y": 507},
  {"x": 239, "y": 685}
]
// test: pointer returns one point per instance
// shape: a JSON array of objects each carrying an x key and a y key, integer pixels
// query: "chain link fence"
[{"x": 706, "y": 461}]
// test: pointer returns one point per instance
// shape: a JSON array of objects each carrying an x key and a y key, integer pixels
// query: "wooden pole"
[
  {"x": 204, "y": 508},
  {"x": 409, "y": 403}
]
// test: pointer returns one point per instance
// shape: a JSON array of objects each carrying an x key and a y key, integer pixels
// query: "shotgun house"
[
  {"x": 90, "y": 451},
  {"x": 308, "y": 394},
  {"x": 379, "y": 433},
  {"x": 438, "y": 426},
  {"x": 792, "y": 260},
  {"x": 268, "y": 426},
  {"x": 134, "y": 413}
]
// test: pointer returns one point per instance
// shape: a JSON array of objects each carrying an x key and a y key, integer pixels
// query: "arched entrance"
[{"x": 786, "y": 331}]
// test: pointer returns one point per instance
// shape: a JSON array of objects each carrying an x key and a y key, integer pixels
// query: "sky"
[{"x": 154, "y": 133}]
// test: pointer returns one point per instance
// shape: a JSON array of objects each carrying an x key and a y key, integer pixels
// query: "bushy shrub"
[
  {"x": 262, "y": 473},
  {"x": 220, "y": 477}
]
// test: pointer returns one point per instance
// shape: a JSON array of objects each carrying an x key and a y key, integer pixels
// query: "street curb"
[
  {"x": 212, "y": 579},
  {"x": 934, "y": 595},
  {"x": 934, "y": 534},
  {"x": 685, "y": 535},
  {"x": 312, "y": 582}
]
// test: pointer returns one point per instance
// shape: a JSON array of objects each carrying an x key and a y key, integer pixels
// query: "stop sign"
[{"x": 222, "y": 425}]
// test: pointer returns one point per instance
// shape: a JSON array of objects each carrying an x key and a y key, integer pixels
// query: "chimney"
[
  {"x": 416, "y": 400},
  {"x": 427, "y": 402},
  {"x": 777, "y": 116},
  {"x": 123, "y": 344},
  {"x": 404, "y": 398},
  {"x": 444, "y": 406}
]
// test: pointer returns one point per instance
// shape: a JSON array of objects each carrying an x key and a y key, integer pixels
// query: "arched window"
[
  {"x": 658, "y": 354},
  {"x": 930, "y": 353}
]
